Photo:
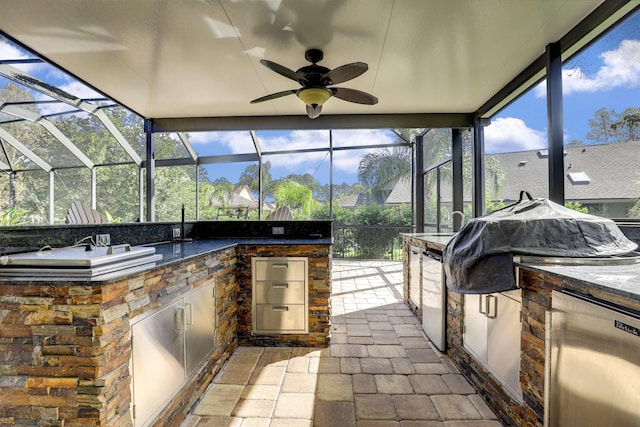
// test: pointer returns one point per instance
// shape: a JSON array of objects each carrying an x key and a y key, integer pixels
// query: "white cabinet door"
[
  {"x": 474, "y": 338},
  {"x": 503, "y": 338}
]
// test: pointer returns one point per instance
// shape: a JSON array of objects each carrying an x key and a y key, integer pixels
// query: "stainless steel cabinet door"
[
  {"x": 414, "y": 276},
  {"x": 433, "y": 302},
  {"x": 474, "y": 338},
  {"x": 158, "y": 360},
  {"x": 503, "y": 337},
  {"x": 199, "y": 313}
]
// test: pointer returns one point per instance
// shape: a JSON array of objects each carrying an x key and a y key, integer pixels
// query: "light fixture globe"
[{"x": 314, "y": 95}]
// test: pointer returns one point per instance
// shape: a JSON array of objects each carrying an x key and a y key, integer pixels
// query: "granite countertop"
[
  {"x": 437, "y": 239},
  {"x": 616, "y": 283},
  {"x": 622, "y": 282},
  {"x": 172, "y": 251}
]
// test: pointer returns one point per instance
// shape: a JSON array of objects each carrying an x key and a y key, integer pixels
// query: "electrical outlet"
[
  {"x": 277, "y": 230},
  {"x": 176, "y": 232},
  {"x": 103, "y": 239}
]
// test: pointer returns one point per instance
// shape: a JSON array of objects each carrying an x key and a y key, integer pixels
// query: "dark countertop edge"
[{"x": 172, "y": 252}]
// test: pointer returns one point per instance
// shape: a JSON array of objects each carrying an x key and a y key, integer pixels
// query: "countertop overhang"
[
  {"x": 173, "y": 252},
  {"x": 615, "y": 283}
]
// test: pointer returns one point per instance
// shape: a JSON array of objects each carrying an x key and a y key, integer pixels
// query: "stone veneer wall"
[
  {"x": 319, "y": 295},
  {"x": 65, "y": 347}
]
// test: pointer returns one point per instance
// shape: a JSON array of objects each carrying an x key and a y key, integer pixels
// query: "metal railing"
[{"x": 369, "y": 241}]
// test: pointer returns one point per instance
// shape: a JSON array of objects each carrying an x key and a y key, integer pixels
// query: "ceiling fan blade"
[
  {"x": 353, "y": 95},
  {"x": 345, "y": 73},
  {"x": 283, "y": 71},
  {"x": 274, "y": 96},
  {"x": 313, "y": 111}
]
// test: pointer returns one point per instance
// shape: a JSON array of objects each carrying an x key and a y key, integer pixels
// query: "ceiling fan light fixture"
[{"x": 314, "y": 95}]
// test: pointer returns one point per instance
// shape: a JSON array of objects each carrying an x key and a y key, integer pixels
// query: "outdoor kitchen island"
[
  {"x": 66, "y": 345},
  {"x": 617, "y": 285}
]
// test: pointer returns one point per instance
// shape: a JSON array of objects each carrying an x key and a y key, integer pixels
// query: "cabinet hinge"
[{"x": 133, "y": 411}]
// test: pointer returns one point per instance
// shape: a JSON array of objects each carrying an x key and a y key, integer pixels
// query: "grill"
[{"x": 79, "y": 262}]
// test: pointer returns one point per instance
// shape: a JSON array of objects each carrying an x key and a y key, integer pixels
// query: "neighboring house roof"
[
  {"x": 239, "y": 198},
  {"x": 592, "y": 173},
  {"x": 360, "y": 199},
  {"x": 401, "y": 192}
]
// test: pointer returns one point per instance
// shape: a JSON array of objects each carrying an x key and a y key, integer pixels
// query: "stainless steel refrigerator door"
[
  {"x": 433, "y": 302},
  {"x": 593, "y": 366},
  {"x": 199, "y": 312},
  {"x": 158, "y": 361}
]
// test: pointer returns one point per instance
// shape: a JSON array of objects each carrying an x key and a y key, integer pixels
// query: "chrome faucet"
[{"x": 453, "y": 214}]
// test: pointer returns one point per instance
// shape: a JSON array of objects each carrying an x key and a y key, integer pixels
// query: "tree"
[
  {"x": 628, "y": 125},
  {"x": 602, "y": 126},
  {"x": 297, "y": 197},
  {"x": 381, "y": 169},
  {"x": 249, "y": 177}
]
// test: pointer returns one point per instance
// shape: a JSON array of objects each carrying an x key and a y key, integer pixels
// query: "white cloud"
[
  {"x": 621, "y": 68},
  {"x": 512, "y": 134}
]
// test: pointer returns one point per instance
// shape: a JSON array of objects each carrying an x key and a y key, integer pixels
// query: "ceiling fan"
[{"x": 314, "y": 80}]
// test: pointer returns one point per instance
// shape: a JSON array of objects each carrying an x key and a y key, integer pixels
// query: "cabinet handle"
[
  {"x": 180, "y": 319},
  {"x": 280, "y": 308},
  {"x": 480, "y": 306},
  {"x": 189, "y": 314},
  {"x": 495, "y": 307},
  {"x": 280, "y": 265},
  {"x": 280, "y": 286}
]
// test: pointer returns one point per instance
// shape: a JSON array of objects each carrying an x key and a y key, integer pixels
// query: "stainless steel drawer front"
[
  {"x": 279, "y": 270},
  {"x": 280, "y": 318},
  {"x": 279, "y": 293},
  {"x": 280, "y": 297}
]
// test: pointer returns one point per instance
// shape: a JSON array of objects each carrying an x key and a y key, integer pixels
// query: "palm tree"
[{"x": 381, "y": 169}]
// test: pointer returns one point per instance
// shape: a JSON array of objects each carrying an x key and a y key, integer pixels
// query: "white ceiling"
[{"x": 200, "y": 58}]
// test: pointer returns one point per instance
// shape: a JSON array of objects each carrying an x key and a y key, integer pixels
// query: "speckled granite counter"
[
  {"x": 432, "y": 240},
  {"x": 180, "y": 250},
  {"x": 619, "y": 284}
]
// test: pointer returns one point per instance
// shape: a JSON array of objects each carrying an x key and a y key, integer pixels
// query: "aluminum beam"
[
  {"x": 184, "y": 138},
  {"x": 24, "y": 150},
  {"x": 101, "y": 115},
  {"x": 36, "y": 84},
  {"x": 478, "y": 167},
  {"x": 352, "y": 121},
  {"x": 150, "y": 166},
  {"x": 62, "y": 138},
  {"x": 555, "y": 123},
  {"x": 457, "y": 179}
]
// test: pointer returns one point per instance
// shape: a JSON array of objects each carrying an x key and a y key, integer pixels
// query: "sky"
[{"x": 607, "y": 74}]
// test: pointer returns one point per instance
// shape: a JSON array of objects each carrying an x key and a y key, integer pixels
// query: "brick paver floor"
[{"x": 379, "y": 371}]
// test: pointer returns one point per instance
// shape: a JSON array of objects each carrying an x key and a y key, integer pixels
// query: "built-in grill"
[
  {"x": 479, "y": 258},
  {"x": 79, "y": 262}
]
